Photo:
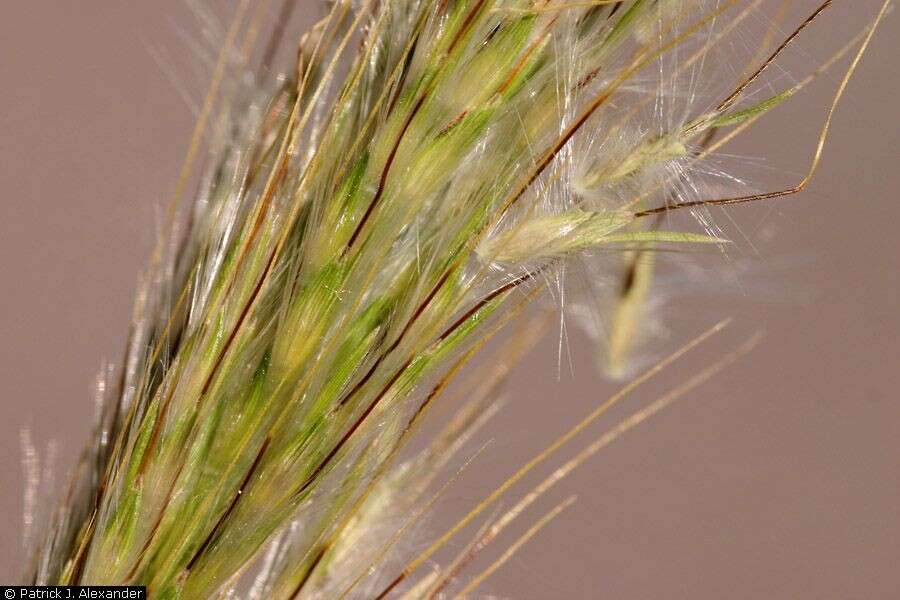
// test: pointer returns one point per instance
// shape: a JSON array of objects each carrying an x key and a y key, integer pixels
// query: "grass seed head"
[{"x": 361, "y": 224}]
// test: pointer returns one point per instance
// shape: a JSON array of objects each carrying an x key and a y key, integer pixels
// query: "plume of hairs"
[{"x": 363, "y": 225}]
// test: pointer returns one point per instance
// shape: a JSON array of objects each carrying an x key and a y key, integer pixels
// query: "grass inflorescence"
[{"x": 364, "y": 224}]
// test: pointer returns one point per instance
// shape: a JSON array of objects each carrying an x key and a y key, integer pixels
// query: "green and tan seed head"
[{"x": 363, "y": 223}]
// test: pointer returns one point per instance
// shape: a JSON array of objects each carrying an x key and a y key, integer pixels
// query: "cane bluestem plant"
[{"x": 364, "y": 224}]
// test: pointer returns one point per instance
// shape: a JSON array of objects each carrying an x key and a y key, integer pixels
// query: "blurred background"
[{"x": 779, "y": 479}]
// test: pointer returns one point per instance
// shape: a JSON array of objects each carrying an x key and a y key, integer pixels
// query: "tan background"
[{"x": 780, "y": 479}]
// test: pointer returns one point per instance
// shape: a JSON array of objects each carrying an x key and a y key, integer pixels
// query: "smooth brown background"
[{"x": 779, "y": 479}]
